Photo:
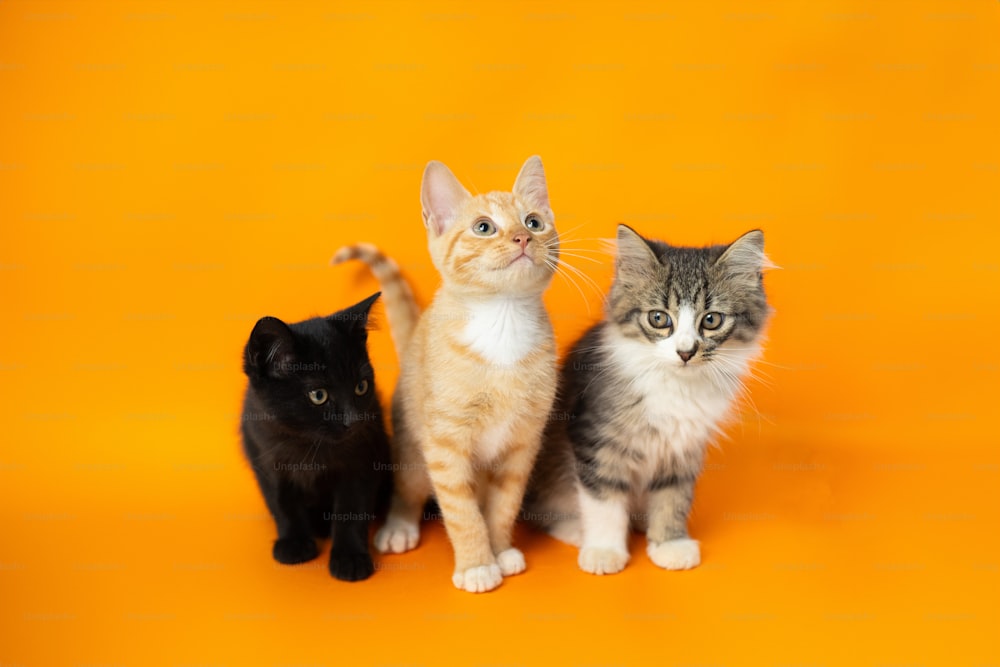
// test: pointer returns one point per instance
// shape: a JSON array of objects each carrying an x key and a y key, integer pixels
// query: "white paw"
[
  {"x": 397, "y": 536},
  {"x": 511, "y": 562},
  {"x": 478, "y": 579},
  {"x": 600, "y": 560},
  {"x": 682, "y": 554}
]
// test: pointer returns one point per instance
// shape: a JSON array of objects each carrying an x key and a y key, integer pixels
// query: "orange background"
[{"x": 171, "y": 171}]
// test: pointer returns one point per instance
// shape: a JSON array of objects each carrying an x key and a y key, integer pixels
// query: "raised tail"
[{"x": 400, "y": 306}]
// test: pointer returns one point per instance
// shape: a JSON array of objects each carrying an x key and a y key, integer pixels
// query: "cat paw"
[
  {"x": 681, "y": 554},
  {"x": 600, "y": 560},
  {"x": 351, "y": 566},
  {"x": 478, "y": 579},
  {"x": 292, "y": 550},
  {"x": 511, "y": 562},
  {"x": 397, "y": 536}
]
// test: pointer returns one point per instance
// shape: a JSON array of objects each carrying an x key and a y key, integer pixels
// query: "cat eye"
[
  {"x": 484, "y": 227},
  {"x": 361, "y": 388},
  {"x": 712, "y": 321},
  {"x": 318, "y": 396},
  {"x": 534, "y": 223},
  {"x": 659, "y": 319}
]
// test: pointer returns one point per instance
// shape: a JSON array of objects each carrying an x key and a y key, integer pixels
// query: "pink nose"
[{"x": 522, "y": 239}]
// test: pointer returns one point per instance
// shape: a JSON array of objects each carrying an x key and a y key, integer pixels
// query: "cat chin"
[
  {"x": 685, "y": 370},
  {"x": 526, "y": 268},
  {"x": 519, "y": 285},
  {"x": 520, "y": 261}
]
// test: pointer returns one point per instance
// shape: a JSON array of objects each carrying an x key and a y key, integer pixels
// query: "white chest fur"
[
  {"x": 504, "y": 330},
  {"x": 684, "y": 406}
]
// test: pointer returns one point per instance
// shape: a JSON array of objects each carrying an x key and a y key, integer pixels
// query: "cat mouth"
[{"x": 522, "y": 256}]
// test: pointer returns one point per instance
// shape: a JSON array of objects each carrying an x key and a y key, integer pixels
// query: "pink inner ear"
[
  {"x": 531, "y": 186},
  {"x": 442, "y": 196},
  {"x": 536, "y": 195}
]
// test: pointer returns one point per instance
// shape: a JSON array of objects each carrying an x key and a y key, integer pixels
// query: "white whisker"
[
  {"x": 590, "y": 281},
  {"x": 563, "y": 253},
  {"x": 559, "y": 269}
]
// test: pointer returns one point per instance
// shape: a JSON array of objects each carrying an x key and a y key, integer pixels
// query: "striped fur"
[
  {"x": 400, "y": 306},
  {"x": 638, "y": 403},
  {"x": 477, "y": 373}
]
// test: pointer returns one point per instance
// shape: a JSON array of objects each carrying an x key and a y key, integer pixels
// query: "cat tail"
[{"x": 400, "y": 306}]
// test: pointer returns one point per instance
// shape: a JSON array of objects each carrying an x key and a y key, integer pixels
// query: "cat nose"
[
  {"x": 351, "y": 418},
  {"x": 522, "y": 238},
  {"x": 686, "y": 355}
]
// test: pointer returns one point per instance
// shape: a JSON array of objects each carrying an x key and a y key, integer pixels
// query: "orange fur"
[
  {"x": 400, "y": 306},
  {"x": 468, "y": 417}
]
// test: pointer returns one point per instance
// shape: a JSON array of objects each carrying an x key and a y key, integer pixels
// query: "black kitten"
[{"x": 314, "y": 434}]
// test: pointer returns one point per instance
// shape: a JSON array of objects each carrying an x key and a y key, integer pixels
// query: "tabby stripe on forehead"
[
  {"x": 677, "y": 296},
  {"x": 694, "y": 296}
]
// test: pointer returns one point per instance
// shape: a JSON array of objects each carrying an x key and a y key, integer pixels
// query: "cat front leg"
[
  {"x": 507, "y": 479},
  {"x": 668, "y": 545},
  {"x": 605, "y": 520},
  {"x": 353, "y": 510},
  {"x": 295, "y": 543},
  {"x": 476, "y": 568},
  {"x": 603, "y": 498},
  {"x": 411, "y": 489}
]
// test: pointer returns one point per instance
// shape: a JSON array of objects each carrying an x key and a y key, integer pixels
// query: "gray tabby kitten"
[{"x": 641, "y": 395}]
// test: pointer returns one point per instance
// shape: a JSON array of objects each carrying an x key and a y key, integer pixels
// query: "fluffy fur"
[
  {"x": 314, "y": 434},
  {"x": 478, "y": 372},
  {"x": 641, "y": 395}
]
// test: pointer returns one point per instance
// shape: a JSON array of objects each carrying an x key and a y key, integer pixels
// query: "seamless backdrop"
[{"x": 171, "y": 171}]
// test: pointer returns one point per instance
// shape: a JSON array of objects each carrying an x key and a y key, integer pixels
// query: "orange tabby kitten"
[{"x": 478, "y": 371}]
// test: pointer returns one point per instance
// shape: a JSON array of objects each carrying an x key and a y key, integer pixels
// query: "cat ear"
[
  {"x": 362, "y": 307},
  {"x": 356, "y": 316},
  {"x": 530, "y": 185},
  {"x": 634, "y": 256},
  {"x": 745, "y": 256},
  {"x": 270, "y": 350},
  {"x": 441, "y": 195}
]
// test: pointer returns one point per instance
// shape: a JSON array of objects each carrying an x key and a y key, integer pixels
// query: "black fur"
[{"x": 323, "y": 469}]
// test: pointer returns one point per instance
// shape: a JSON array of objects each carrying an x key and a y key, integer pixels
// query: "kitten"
[
  {"x": 314, "y": 434},
  {"x": 478, "y": 371},
  {"x": 642, "y": 393}
]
